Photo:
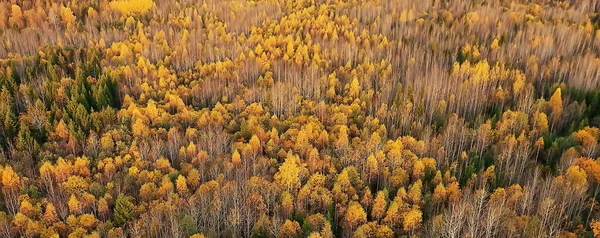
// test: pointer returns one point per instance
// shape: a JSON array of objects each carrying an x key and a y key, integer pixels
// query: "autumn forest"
[{"x": 299, "y": 118}]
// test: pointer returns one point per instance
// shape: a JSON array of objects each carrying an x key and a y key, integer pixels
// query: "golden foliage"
[{"x": 129, "y": 7}]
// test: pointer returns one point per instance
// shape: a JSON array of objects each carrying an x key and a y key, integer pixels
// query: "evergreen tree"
[{"x": 123, "y": 211}]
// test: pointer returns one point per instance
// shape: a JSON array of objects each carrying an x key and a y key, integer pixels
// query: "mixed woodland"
[{"x": 299, "y": 118}]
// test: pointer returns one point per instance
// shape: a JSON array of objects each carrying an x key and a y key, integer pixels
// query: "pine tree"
[{"x": 123, "y": 211}]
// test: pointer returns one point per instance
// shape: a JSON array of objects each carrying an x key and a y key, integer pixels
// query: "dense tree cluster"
[{"x": 299, "y": 118}]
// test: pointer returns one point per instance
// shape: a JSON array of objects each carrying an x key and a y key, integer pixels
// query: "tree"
[
  {"x": 166, "y": 187},
  {"x": 379, "y": 205},
  {"x": 399, "y": 178},
  {"x": 314, "y": 197},
  {"x": 341, "y": 144},
  {"x": 67, "y": 16},
  {"x": 355, "y": 216},
  {"x": 148, "y": 191},
  {"x": 193, "y": 179},
  {"x": 372, "y": 168},
  {"x": 556, "y": 106},
  {"x": 287, "y": 204},
  {"x": 595, "y": 227},
  {"x": 103, "y": 208},
  {"x": 541, "y": 122},
  {"x": 181, "y": 184},
  {"x": 354, "y": 88},
  {"x": 588, "y": 137},
  {"x": 290, "y": 229},
  {"x": 453, "y": 192},
  {"x": 16, "y": 17},
  {"x": 414, "y": 192},
  {"x": 254, "y": 144},
  {"x": 50, "y": 214},
  {"x": 75, "y": 185},
  {"x": 288, "y": 176},
  {"x": 87, "y": 221},
  {"x": 367, "y": 198},
  {"x": 576, "y": 177},
  {"x": 123, "y": 211},
  {"x": 343, "y": 189},
  {"x": 418, "y": 170},
  {"x": 439, "y": 193},
  {"x": 412, "y": 219},
  {"x": 10, "y": 188},
  {"x": 8, "y": 119},
  {"x": 235, "y": 158},
  {"x": 74, "y": 205},
  {"x": 28, "y": 209},
  {"x": 81, "y": 167}
]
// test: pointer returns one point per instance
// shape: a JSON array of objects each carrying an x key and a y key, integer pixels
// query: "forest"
[{"x": 299, "y": 118}]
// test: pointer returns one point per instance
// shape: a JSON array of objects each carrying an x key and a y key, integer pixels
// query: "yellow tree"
[
  {"x": 148, "y": 191},
  {"x": 87, "y": 221},
  {"x": 236, "y": 158},
  {"x": 412, "y": 220},
  {"x": 50, "y": 214},
  {"x": 341, "y": 144},
  {"x": 166, "y": 187},
  {"x": 453, "y": 192},
  {"x": 576, "y": 177},
  {"x": 588, "y": 137},
  {"x": 28, "y": 209},
  {"x": 556, "y": 106},
  {"x": 418, "y": 170},
  {"x": 540, "y": 122},
  {"x": 372, "y": 168},
  {"x": 290, "y": 229},
  {"x": 355, "y": 216},
  {"x": 254, "y": 144},
  {"x": 595, "y": 227},
  {"x": 354, "y": 88},
  {"x": 288, "y": 176},
  {"x": 16, "y": 17},
  {"x": 314, "y": 197},
  {"x": 74, "y": 206},
  {"x": 193, "y": 179},
  {"x": 11, "y": 183},
  {"x": 81, "y": 167},
  {"x": 67, "y": 16},
  {"x": 414, "y": 192},
  {"x": 182, "y": 187},
  {"x": 367, "y": 198},
  {"x": 379, "y": 205}
]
